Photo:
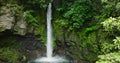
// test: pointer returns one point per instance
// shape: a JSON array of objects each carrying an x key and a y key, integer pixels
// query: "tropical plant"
[{"x": 111, "y": 53}]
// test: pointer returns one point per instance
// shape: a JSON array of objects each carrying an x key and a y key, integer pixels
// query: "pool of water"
[{"x": 50, "y": 62}]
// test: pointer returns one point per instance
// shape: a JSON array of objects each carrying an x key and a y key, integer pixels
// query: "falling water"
[
  {"x": 49, "y": 31},
  {"x": 50, "y": 58}
]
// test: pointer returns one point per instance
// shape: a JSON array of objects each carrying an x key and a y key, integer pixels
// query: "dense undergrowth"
[
  {"x": 89, "y": 27},
  {"x": 9, "y": 50}
]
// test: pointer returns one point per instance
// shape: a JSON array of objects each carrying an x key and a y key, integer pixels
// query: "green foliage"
[
  {"x": 111, "y": 53},
  {"x": 81, "y": 15},
  {"x": 111, "y": 8},
  {"x": 36, "y": 21},
  {"x": 110, "y": 58},
  {"x": 40, "y": 2},
  {"x": 90, "y": 44},
  {"x": 75, "y": 16},
  {"x": 35, "y": 17},
  {"x": 117, "y": 43},
  {"x": 76, "y": 13},
  {"x": 111, "y": 24},
  {"x": 29, "y": 18},
  {"x": 62, "y": 23},
  {"x": 9, "y": 50},
  {"x": 30, "y": 4},
  {"x": 90, "y": 29},
  {"x": 85, "y": 46},
  {"x": 115, "y": 46},
  {"x": 9, "y": 55},
  {"x": 16, "y": 9},
  {"x": 110, "y": 50}
]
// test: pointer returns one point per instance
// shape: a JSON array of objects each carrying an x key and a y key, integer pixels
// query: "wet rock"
[{"x": 31, "y": 46}]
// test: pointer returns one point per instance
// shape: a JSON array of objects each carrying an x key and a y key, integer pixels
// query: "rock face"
[
  {"x": 8, "y": 20},
  {"x": 20, "y": 27}
]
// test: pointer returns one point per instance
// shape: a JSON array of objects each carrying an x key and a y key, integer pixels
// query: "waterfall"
[
  {"x": 50, "y": 58},
  {"x": 49, "y": 31}
]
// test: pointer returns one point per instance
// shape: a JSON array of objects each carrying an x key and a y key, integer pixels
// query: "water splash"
[
  {"x": 50, "y": 58},
  {"x": 56, "y": 59}
]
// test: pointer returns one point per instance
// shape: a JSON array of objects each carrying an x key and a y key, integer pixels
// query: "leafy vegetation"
[
  {"x": 76, "y": 13},
  {"x": 9, "y": 55},
  {"x": 89, "y": 29},
  {"x": 111, "y": 49},
  {"x": 110, "y": 46},
  {"x": 9, "y": 50},
  {"x": 111, "y": 24},
  {"x": 30, "y": 19}
]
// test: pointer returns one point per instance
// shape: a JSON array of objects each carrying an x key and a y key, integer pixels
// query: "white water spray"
[
  {"x": 50, "y": 58},
  {"x": 49, "y": 31}
]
